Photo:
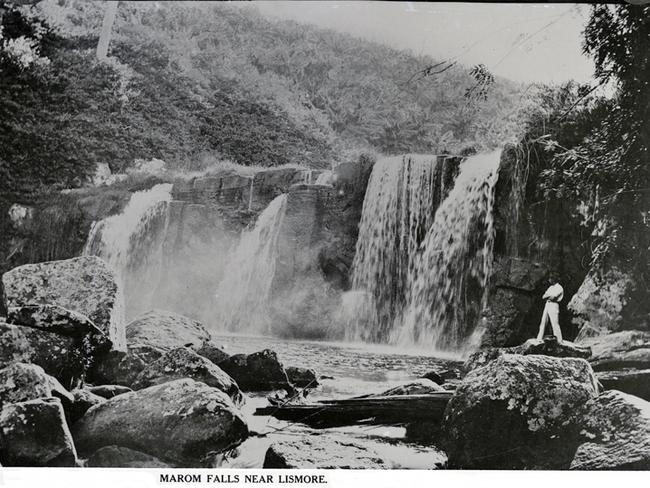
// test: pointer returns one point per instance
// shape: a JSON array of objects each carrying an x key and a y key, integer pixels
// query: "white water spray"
[
  {"x": 244, "y": 292},
  {"x": 448, "y": 284},
  {"x": 400, "y": 201},
  {"x": 131, "y": 243}
]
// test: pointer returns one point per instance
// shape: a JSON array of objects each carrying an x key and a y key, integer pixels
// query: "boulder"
[
  {"x": 625, "y": 349},
  {"x": 60, "y": 356},
  {"x": 322, "y": 452},
  {"x": 547, "y": 347},
  {"x": 260, "y": 371},
  {"x": 514, "y": 302},
  {"x": 122, "y": 457},
  {"x": 598, "y": 305},
  {"x": 633, "y": 381},
  {"x": 302, "y": 377},
  {"x": 183, "y": 363},
  {"x": 35, "y": 433},
  {"x": 109, "y": 391},
  {"x": 56, "y": 319},
  {"x": 117, "y": 367},
  {"x": 165, "y": 331},
  {"x": 83, "y": 400},
  {"x": 181, "y": 422},
  {"x": 617, "y": 426},
  {"x": 85, "y": 284},
  {"x": 417, "y": 387},
  {"x": 512, "y": 413},
  {"x": 211, "y": 351},
  {"x": 21, "y": 382}
]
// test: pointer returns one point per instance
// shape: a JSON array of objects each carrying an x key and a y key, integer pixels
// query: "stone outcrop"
[
  {"x": 322, "y": 452},
  {"x": 60, "y": 356},
  {"x": 181, "y": 422},
  {"x": 35, "y": 433},
  {"x": 616, "y": 427},
  {"x": 625, "y": 349},
  {"x": 547, "y": 347},
  {"x": 165, "y": 331},
  {"x": 183, "y": 363},
  {"x": 211, "y": 351},
  {"x": 119, "y": 368},
  {"x": 260, "y": 371},
  {"x": 122, "y": 457},
  {"x": 417, "y": 387},
  {"x": 108, "y": 391},
  {"x": 21, "y": 382},
  {"x": 83, "y": 400},
  {"x": 302, "y": 377},
  {"x": 85, "y": 285},
  {"x": 512, "y": 413},
  {"x": 515, "y": 304}
]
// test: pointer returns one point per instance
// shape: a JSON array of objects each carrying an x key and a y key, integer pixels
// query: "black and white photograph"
[{"x": 292, "y": 238}]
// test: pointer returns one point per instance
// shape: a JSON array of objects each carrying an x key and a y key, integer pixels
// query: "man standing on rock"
[{"x": 553, "y": 297}]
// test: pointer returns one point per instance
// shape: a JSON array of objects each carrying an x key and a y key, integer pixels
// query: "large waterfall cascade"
[
  {"x": 422, "y": 268},
  {"x": 244, "y": 292},
  {"x": 399, "y": 205}
]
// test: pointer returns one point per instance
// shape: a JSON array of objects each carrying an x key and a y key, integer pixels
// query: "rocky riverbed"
[{"x": 79, "y": 387}]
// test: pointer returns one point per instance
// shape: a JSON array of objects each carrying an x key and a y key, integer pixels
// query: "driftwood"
[{"x": 383, "y": 410}]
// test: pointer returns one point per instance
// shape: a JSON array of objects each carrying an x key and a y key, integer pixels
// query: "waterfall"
[
  {"x": 424, "y": 252},
  {"x": 244, "y": 292},
  {"x": 448, "y": 285},
  {"x": 400, "y": 201},
  {"x": 131, "y": 244}
]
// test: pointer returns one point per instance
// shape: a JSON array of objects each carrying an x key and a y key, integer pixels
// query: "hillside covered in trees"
[{"x": 196, "y": 83}]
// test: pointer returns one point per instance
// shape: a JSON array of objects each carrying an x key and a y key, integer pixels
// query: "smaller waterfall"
[
  {"x": 131, "y": 243},
  {"x": 450, "y": 276},
  {"x": 325, "y": 178},
  {"x": 243, "y": 294}
]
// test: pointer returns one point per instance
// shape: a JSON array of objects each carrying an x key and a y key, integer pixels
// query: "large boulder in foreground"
[
  {"x": 617, "y": 426},
  {"x": 20, "y": 382},
  {"x": 625, "y": 349},
  {"x": 35, "y": 433},
  {"x": 512, "y": 413},
  {"x": 123, "y": 457},
  {"x": 183, "y": 363},
  {"x": 165, "y": 331},
  {"x": 66, "y": 358},
  {"x": 85, "y": 284},
  {"x": 182, "y": 422},
  {"x": 260, "y": 371},
  {"x": 322, "y": 452}
]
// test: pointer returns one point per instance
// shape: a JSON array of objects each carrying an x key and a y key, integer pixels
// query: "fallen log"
[{"x": 385, "y": 410}]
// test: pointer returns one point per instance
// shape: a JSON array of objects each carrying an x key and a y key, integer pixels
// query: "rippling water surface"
[{"x": 349, "y": 370}]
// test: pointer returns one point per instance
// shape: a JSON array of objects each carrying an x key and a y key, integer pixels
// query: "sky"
[{"x": 523, "y": 42}]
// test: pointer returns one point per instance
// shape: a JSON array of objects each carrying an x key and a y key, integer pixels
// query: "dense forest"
[{"x": 201, "y": 83}]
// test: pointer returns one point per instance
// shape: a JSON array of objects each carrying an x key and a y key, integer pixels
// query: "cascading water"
[
  {"x": 423, "y": 257},
  {"x": 448, "y": 284},
  {"x": 243, "y": 294},
  {"x": 131, "y": 243},
  {"x": 400, "y": 201}
]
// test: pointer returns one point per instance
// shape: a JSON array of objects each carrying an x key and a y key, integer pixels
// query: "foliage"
[{"x": 594, "y": 150}]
